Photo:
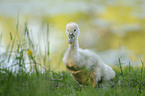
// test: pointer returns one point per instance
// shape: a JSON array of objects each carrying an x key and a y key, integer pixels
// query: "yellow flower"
[{"x": 29, "y": 52}]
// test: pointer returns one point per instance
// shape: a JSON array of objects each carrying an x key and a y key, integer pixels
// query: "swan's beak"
[{"x": 70, "y": 38}]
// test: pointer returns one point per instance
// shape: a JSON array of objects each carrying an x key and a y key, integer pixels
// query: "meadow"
[
  {"x": 128, "y": 82},
  {"x": 40, "y": 80}
]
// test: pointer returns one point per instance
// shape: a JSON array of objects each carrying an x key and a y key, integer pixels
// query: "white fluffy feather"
[{"x": 85, "y": 66}]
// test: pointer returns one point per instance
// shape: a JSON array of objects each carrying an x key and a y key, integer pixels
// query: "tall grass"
[{"x": 129, "y": 81}]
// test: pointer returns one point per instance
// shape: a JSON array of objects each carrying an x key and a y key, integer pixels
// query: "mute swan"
[{"x": 85, "y": 66}]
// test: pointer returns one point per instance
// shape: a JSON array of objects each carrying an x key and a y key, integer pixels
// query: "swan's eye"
[{"x": 75, "y": 30}]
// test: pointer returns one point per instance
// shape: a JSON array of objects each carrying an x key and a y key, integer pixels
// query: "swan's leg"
[
  {"x": 92, "y": 79},
  {"x": 97, "y": 75}
]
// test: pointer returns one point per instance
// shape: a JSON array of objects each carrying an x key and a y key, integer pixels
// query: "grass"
[
  {"x": 129, "y": 81},
  {"x": 49, "y": 83}
]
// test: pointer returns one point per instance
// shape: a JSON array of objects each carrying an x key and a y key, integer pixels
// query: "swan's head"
[{"x": 72, "y": 31}]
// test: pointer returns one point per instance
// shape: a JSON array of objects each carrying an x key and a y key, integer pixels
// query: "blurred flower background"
[{"x": 111, "y": 28}]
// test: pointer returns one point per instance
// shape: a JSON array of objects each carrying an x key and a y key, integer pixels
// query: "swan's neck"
[{"x": 73, "y": 48}]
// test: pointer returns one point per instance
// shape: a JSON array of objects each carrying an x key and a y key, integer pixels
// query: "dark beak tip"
[{"x": 69, "y": 42}]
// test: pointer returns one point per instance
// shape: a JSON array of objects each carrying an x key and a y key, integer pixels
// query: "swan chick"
[{"x": 86, "y": 67}]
